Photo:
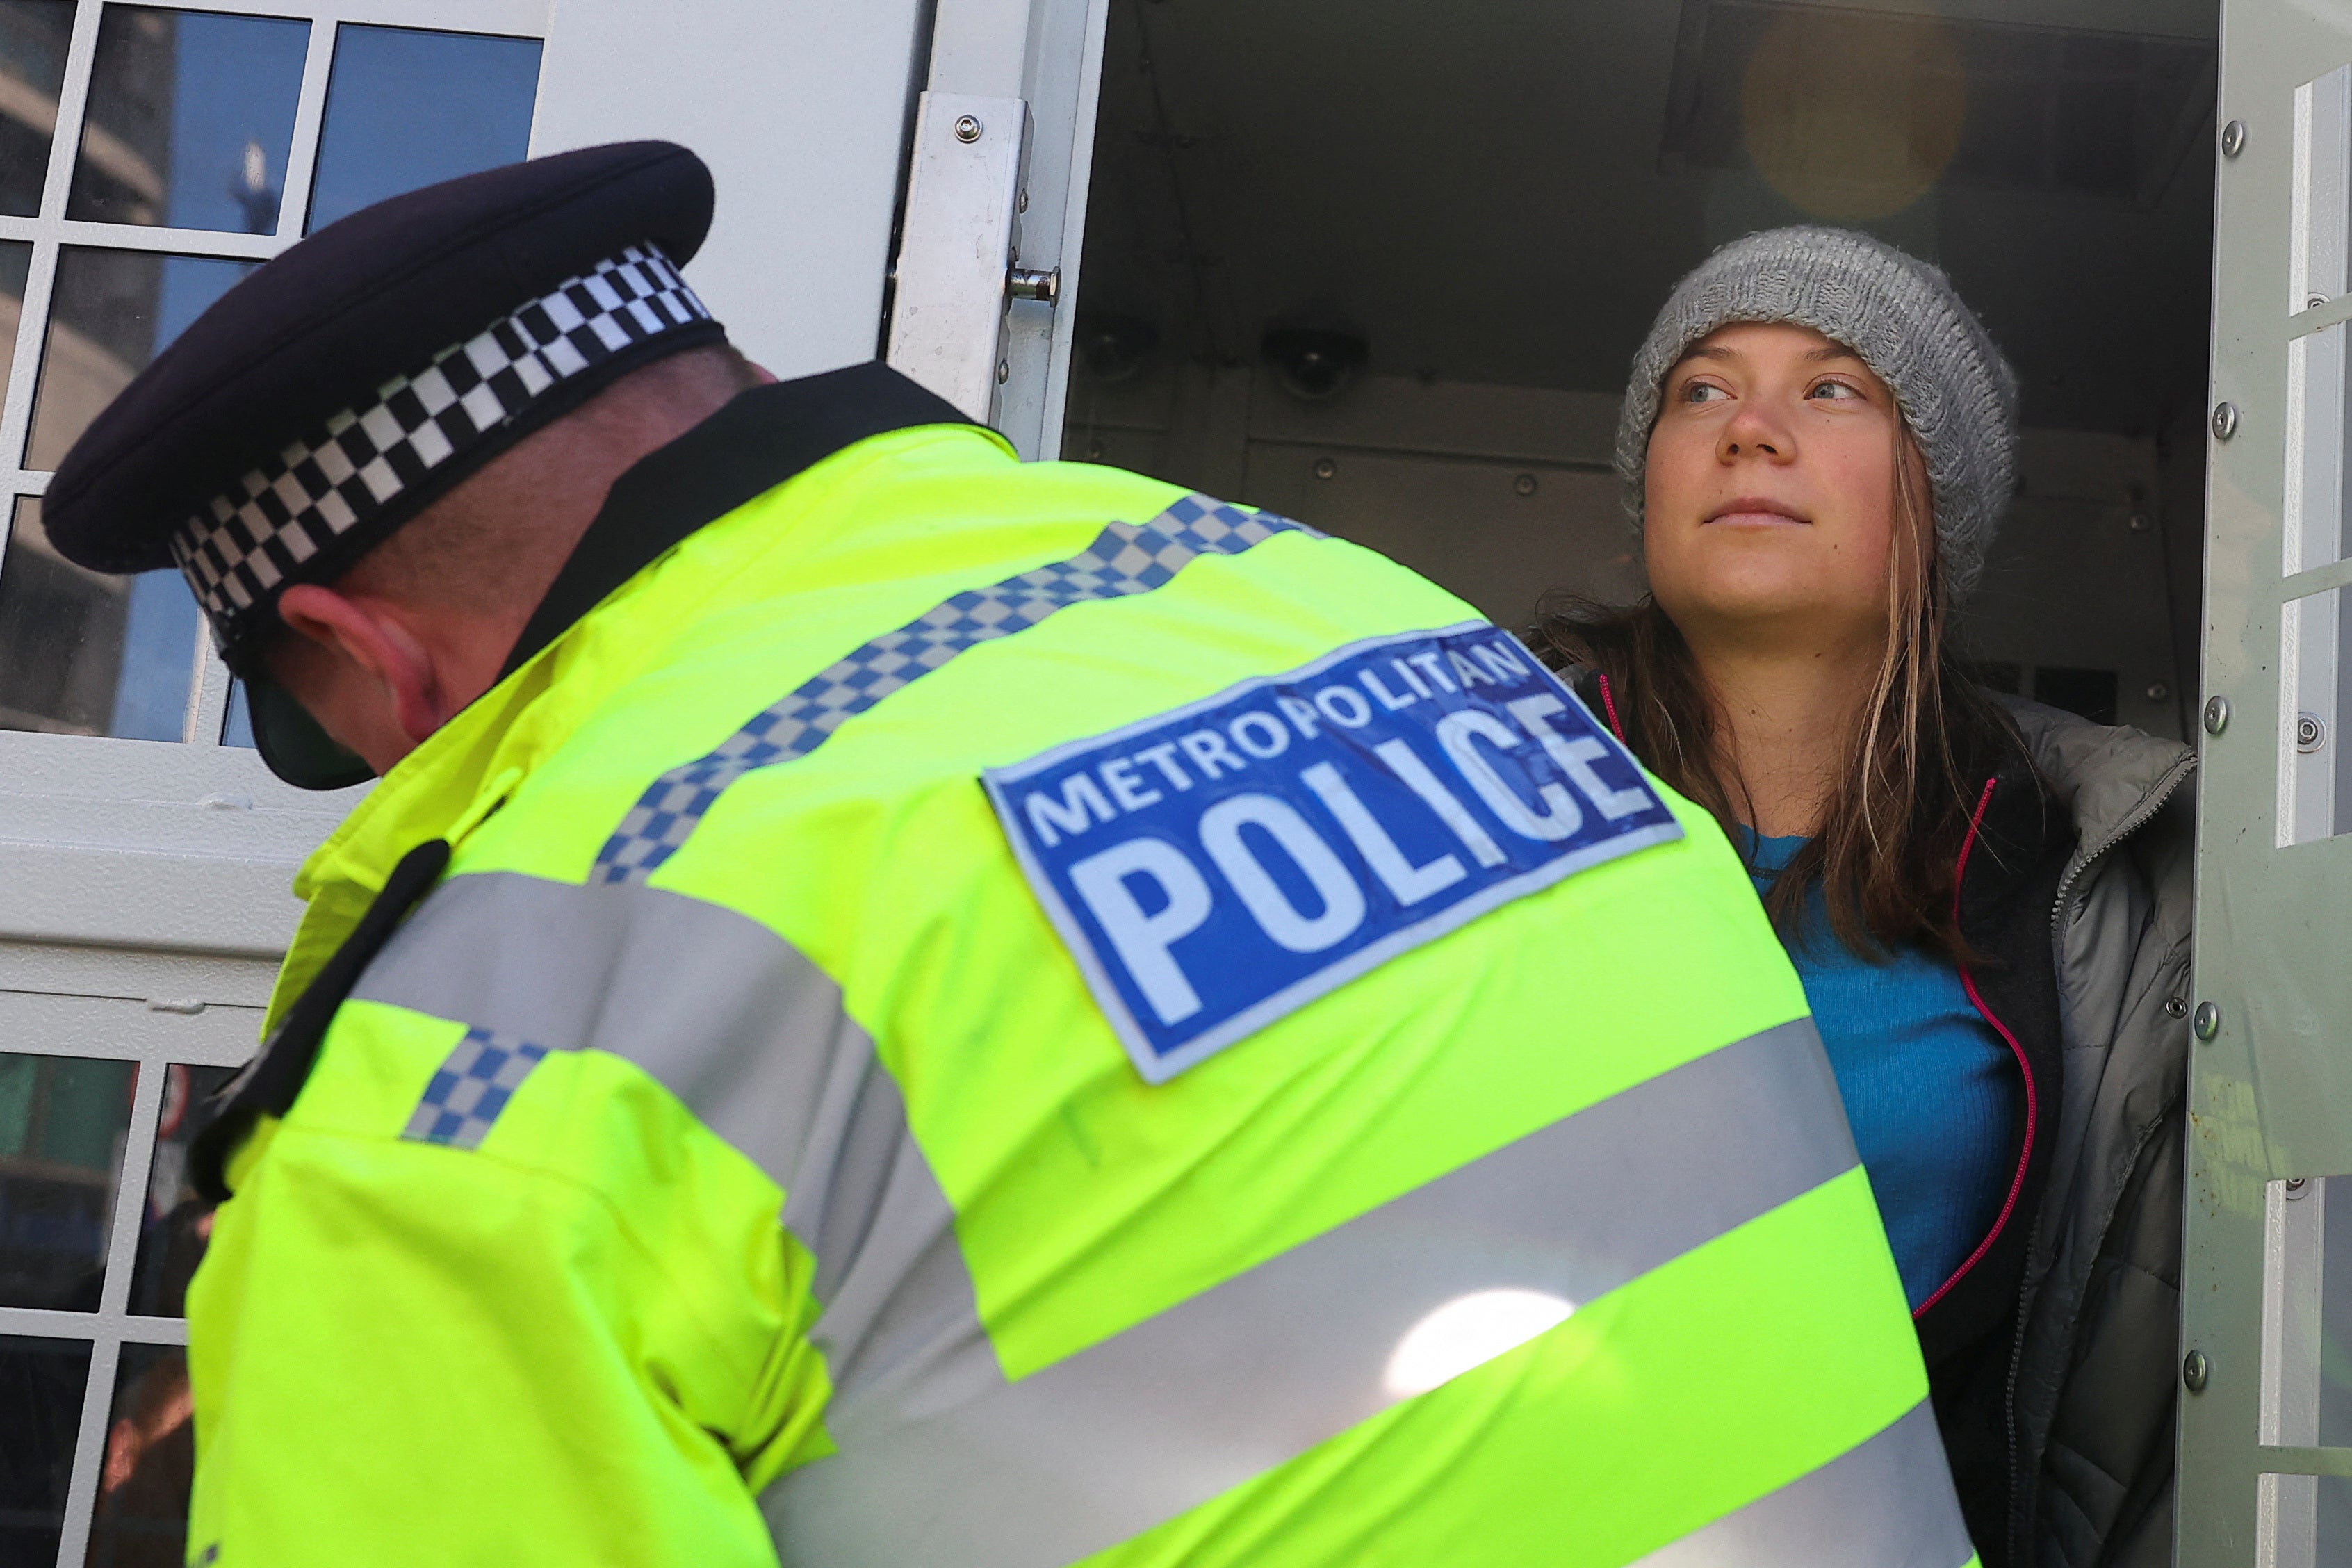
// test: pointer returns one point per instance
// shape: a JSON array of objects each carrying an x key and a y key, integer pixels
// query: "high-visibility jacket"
[{"x": 1008, "y": 1015}]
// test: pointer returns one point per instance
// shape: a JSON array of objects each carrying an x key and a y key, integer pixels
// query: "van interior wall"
[{"x": 1493, "y": 201}]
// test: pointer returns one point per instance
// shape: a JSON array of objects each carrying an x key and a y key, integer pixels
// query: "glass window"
[
  {"x": 236, "y": 724},
  {"x": 41, "y": 1386},
  {"x": 150, "y": 1462},
  {"x": 82, "y": 653},
  {"x": 191, "y": 119},
  {"x": 406, "y": 108},
  {"x": 15, "y": 262},
  {"x": 112, "y": 312},
  {"x": 33, "y": 37},
  {"x": 62, "y": 1124},
  {"x": 179, "y": 1223}
]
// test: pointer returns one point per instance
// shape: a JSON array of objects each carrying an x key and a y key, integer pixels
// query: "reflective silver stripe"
[
  {"x": 1885, "y": 1504},
  {"x": 941, "y": 1457}
]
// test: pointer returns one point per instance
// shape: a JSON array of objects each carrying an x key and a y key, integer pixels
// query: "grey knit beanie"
[{"x": 1901, "y": 315}]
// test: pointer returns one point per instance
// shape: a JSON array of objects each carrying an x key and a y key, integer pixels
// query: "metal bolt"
[
  {"x": 2176, "y": 1007},
  {"x": 2234, "y": 138},
  {"x": 1326, "y": 469},
  {"x": 2297, "y": 1186},
  {"x": 2208, "y": 1022},
  {"x": 2310, "y": 733},
  {"x": 2158, "y": 691},
  {"x": 2194, "y": 1370},
  {"x": 967, "y": 128},
  {"x": 1004, "y": 371},
  {"x": 2217, "y": 715},
  {"x": 2139, "y": 522},
  {"x": 1043, "y": 285},
  {"x": 2225, "y": 421},
  {"x": 1524, "y": 484},
  {"x": 1022, "y": 206}
]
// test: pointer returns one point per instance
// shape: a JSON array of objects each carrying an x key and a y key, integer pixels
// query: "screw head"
[
  {"x": 2194, "y": 1370},
  {"x": 1524, "y": 485},
  {"x": 2158, "y": 691},
  {"x": 2217, "y": 715},
  {"x": 1004, "y": 371},
  {"x": 967, "y": 128},
  {"x": 2208, "y": 1022},
  {"x": 2310, "y": 733},
  {"x": 2139, "y": 522},
  {"x": 2234, "y": 138},
  {"x": 2315, "y": 302},
  {"x": 2297, "y": 1185},
  {"x": 1326, "y": 469},
  {"x": 2225, "y": 421}
]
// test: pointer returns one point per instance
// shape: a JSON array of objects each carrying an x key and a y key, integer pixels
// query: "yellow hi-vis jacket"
[{"x": 1012, "y": 1016}]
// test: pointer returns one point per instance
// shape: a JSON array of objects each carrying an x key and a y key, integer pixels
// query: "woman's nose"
[{"x": 1751, "y": 434}]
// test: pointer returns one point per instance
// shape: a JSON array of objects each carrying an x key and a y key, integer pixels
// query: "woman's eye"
[
  {"x": 1702, "y": 392},
  {"x": 1830, "y": 391}
]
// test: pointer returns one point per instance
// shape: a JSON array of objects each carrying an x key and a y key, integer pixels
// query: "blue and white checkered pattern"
[
  {"x": 1124, "y": 558},
  {"x": 470, "y": 1088}
]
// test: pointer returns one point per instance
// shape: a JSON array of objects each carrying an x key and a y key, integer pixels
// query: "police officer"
[{"x": 893, "y": 1005}]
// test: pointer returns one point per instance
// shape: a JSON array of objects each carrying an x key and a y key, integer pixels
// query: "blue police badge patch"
[{"x": 1217, "y": 866}]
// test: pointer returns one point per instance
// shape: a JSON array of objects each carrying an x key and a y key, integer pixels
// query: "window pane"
[
  {"x": 236, "y": 724},
  {"x": 41, "y": 1384},
  {"x": 151, "y": 1459},
  {"x": 179, "y": 1223},
  {"x": 112, "y": 312},
  {"x": 82, "y": 653},
  {"x": 62, "y": 1124},
  {"x": 16, "y": 261},
  {"x": 33, "y": 35},
  {"x": 191, "y": 116},
  {"x": 406, "y": 108}
]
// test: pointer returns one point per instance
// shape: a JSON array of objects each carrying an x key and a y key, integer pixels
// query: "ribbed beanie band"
[{"x": 1955, "y": 392}]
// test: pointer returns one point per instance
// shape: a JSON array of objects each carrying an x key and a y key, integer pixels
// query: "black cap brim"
[{"x": 296, "y": 747}]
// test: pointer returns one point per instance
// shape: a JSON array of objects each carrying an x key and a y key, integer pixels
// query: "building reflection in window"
[
  {"x": 33, "y": 39},
  {"x": 83, "y": 653},
  {"x": 151, "y": 1464},
  {"x": 178, "y": 1224},
  {"x": 407, "y": 108},
  {"x": 191, "y": 119},
  {"x": 15, "y": 262},
  {"x": 63, "y": 1120}
]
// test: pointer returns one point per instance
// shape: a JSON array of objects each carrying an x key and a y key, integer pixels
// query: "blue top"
[{"x": 1932, "y": 1090}]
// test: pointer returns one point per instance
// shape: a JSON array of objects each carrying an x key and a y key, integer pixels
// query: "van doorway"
[{"x": 1383, "y": 268}]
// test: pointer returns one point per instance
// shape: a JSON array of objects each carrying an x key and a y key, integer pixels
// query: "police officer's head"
[{"x": 371, "y": 457}]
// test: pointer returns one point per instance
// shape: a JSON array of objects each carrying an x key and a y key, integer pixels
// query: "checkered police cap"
[
  {"x": 344, "y": 386},
  {"x": 258, "y": 535}
]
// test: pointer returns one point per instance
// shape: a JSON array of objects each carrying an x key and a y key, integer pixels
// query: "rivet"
[
  {"x": 2208, "y": 1022},
  {"x": 2297, "y": 1186},
  {"x": 2139, "y": 522},
  {"x": 1004, "y": 371},
  {"x": 2315, "y": 302},
  {"x": 2234, "y": 138},
  {"x": 2194, "y": 1370},
  {"x": 1326, "y": 469},
  {"x": 967, "y": 128},
  {"x": 2217, "y": 715},
  {"x": 1524, "y": 485},
  {"x": 2225, "y": 421},
  {"x": 1022, "y": 206},
  {"x": 2310, "y": 733},
  {"x": 2158, "y": 691},
  {"x": 2176, "y": 1007}
]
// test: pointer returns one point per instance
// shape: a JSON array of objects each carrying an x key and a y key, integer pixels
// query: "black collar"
[{"x": 757, "y": 441}]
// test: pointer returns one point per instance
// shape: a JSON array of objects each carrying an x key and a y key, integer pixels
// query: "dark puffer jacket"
[{"x": 2052, "y": 1354}]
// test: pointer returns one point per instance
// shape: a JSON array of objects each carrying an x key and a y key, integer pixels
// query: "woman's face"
[{"x": 1770, "y": 490}]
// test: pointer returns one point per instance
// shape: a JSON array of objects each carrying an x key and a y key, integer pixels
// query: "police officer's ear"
[{"x": 364, "y": 670}]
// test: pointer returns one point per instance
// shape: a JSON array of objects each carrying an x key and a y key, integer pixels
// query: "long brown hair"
[{"x": 1887, "y": 847}]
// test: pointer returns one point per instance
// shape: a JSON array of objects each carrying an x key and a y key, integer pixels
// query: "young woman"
[{"x": 1987, "y": 900}]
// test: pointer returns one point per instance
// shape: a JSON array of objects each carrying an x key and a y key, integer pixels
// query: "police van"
[{"x": 1379, "y": 268}]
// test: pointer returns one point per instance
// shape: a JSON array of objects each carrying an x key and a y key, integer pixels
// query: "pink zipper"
[
  {"x": 1610, "y": 704},
  {"x": 2025, "y": 1068}
]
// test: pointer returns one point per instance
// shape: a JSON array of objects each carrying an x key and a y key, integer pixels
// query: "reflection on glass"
[
  {"x": 15, "y": 262},
  {"x": 62, "y": 1124},
  {"x": 82, "y": 653},
  {"x": 111, "y": 313},
  {"x": 178, "y": 1223},
  {"x": 191, "y": 117},
  {"x": 406, "y": 108},
  {"x": 41, "y": 1384},
  {"x": 236, "y": 725},
  {"x": 151, "y": 1459},
  {"x": 33, "y": 35}
]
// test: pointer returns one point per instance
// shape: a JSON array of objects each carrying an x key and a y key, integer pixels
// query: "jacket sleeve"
[{"x": 583, "y": 1341}]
